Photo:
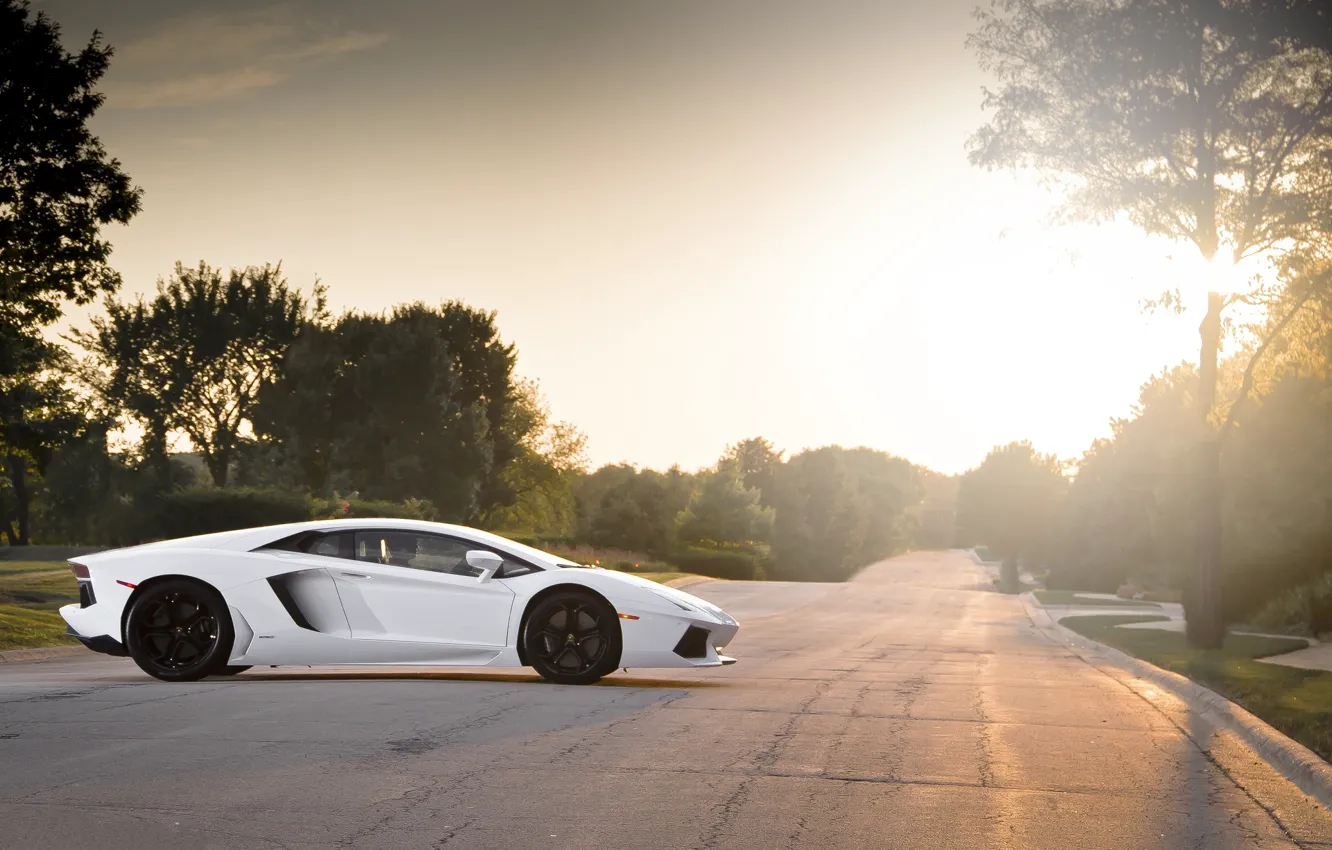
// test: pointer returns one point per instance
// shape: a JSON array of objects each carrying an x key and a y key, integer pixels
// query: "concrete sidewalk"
[{"x": 1318, "y": 656}]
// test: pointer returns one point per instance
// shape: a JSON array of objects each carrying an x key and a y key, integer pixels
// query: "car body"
[{"x": 388, "y": 592}]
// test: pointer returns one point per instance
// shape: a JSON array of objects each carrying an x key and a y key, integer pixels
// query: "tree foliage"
[
  {"x": 38, "y": 414},
  {"x": 838, "y": 510},
  {"x": 1011, "y": 502},
  {"x": 551, "y": 457},
  {"x": 379, "y": 405},
  {"x": 193, "y": 358},
  {"x": 1199, "y": 120},
  {"x": 724, "y": 511},
  {"x": 58, "y": 187}
]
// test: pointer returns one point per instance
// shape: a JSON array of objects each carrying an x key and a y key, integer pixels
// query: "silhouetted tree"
[
  {"x": 58, "y": 189},
  {"x": 38, "y": 413},
  {"x": 376, "y": 405},
  {"x": 194, "y": 357}
]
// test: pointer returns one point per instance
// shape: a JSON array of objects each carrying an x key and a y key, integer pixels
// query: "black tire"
[
  {"x": 179, "y": 630},
  {"x": 231, "y": 669},
  {"x": 580, "y": 655}
]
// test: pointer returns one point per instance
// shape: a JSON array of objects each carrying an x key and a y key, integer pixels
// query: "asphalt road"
[{"x": 906, "y": 709}]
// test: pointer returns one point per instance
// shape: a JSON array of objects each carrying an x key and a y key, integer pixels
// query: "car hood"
[{"x": 671, "y": 593}]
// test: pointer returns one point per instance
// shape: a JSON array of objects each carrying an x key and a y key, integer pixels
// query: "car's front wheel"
[
  {"x": 572, "y": 638},
  {"x": 179, "y": 630}
]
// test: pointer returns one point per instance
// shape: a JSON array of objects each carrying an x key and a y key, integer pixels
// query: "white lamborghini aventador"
[{"x": 381, "y": 591}]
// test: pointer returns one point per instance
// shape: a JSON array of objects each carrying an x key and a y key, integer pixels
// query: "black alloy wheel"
[
  {"x": 573, "y": 638},
  {"x": 179, "y": 631}
]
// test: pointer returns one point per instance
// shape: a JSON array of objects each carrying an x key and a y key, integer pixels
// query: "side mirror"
[{"x": 487, "y": 562}]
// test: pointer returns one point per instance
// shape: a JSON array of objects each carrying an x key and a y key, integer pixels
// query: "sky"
[{"x": 697, "y": 221}]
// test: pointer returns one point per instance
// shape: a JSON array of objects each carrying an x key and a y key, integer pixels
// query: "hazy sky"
[{"x": 699, "y": 221}]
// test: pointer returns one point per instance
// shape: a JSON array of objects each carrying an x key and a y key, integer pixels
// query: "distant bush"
[
  {"x": 343, "y": 508},
  {"x": 1304, "y": 610},
  {"x": 726, "y": 564},
  {"x": 984, "y": 553},
  {"x": 611, "y": 559},
  {"x": 204, "y": 510}
]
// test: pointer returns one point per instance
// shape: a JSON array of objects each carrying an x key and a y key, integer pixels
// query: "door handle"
[{"x": 362, "y": 576}]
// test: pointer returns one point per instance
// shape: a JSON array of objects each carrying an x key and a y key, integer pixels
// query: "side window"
[
  {"x": 431, "y": 552},
  {"x": 413, "y": 550},
  {"x": 337, "y": 545}
]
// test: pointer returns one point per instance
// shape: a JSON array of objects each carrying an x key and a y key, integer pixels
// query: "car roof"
[{"x": 247, "y": 539}]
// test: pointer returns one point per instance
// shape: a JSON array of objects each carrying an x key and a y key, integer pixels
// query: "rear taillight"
[{"x": 80, "y": 571}]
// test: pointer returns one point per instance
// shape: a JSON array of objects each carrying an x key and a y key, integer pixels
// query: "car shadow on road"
[{"x": 454, "y": 676}]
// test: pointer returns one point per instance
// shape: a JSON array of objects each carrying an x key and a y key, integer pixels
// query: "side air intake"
[{"x": 694, "y": 644}]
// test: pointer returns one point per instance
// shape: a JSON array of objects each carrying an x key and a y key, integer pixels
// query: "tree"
[
  {"x": 38, "y": 413},
  {"x": 1203, "y": 121},
  {"x": 58, "y": 188},
  {"x": 624, "y": 508},
  {"x": 193, "y": 359},
  {"x": 1130, "y": 500},
  {"x": 838, "y": 510},
  {"x": 820, "y": 520},
  {"x": 889, "y": 487},
  {"x": 757, "y": 461},
  {"x": 484, "y": 366},
  {"x": 1011, "y": 502},
  {"x": 376, "y": 405},
  {"x": 723, "y": 510},
  {"x": 551, "y": 457}
]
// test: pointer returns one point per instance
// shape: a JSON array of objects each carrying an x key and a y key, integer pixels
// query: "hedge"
[
  {"x": 204, "y": 510},
  {"x": 718, "y": 564},
  {"x": 184, "y": 513}
]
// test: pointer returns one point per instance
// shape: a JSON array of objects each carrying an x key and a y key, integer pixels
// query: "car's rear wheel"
[
  {"x": 572, "y": 638},
  {"x": 179, "y": 630}
]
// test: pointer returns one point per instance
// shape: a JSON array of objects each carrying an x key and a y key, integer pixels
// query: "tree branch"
[{"x": 1246, "y": 386}]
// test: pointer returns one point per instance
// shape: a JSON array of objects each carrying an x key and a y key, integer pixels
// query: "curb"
[
  {"x": 41, "y": 653},
  {"x": 1291, "y": 759}
]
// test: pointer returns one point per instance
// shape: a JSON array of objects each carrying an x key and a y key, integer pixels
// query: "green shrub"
[
  {"x": 984, "y": 553},
  {"x": 718, "y": 564},
  {"x": 1305, "y": 610},
  {"x": 204, "y": 510}
]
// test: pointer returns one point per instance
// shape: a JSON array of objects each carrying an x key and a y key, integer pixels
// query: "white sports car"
[{"x": 381, "y": 591}]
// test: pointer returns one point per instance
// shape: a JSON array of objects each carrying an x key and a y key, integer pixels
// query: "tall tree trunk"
[
  {"x": 219, "y": 464},
  {"x": 1205, "y": 626},
  {"x": 18, "y": 479}
]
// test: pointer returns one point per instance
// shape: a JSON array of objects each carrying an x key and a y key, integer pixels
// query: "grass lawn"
[
  {"x": 1298, "y": 702},
  {"x": 1070, "y": 597},
  {"x": 30, "y": 593}
]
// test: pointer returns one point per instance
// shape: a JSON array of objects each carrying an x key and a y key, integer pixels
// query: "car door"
[{"x": 412, "y": 586}]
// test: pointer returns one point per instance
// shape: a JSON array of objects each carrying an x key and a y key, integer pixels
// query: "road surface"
[{"x": 908, "y": 708}]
